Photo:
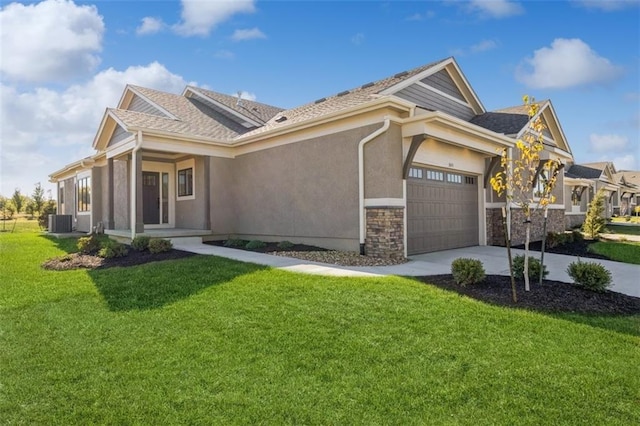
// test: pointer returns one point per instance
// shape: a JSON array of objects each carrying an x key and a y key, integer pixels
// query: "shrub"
[
  {"x": 159, "y": 245},
  {"x": 590, "y": 275},
  {"x": 553, "y": 239},
  {"x": 111, "y": 249},
  {"x": 89, "y": 244},
  {"x": 534, "y": 268},
  {"x": 577, "y": 236},
  {"x": 235, "y": 243},
  {"x": 285, "y": 245},
  {"x": 254, "y": 244},
  {"x": 140, "y": 243},
  {"x": 467, "y": 271},
  {"x": 595, "y": 222}
]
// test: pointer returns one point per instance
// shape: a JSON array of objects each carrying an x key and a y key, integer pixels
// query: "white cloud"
[
  {"x": 494, "y": 8},
  {"x": 247, "y": 34},
  {"x": 200, "y": 17},
  {"x": 150, "y": 25},
  {"x": 483, "y": 46},
  {"x": 608, "y": 143},
  {"x": 626, "y": 162},
  {"x": 246, "y": 95},
  {"x": 357, "y": 39},
  {"x": 429, "y": 14},
  {"x": 49, "y": 41},
  {"x": 608, "y": 5},
  {"x": 567, "y": 63},
  {"x": 45, "y": 129}
]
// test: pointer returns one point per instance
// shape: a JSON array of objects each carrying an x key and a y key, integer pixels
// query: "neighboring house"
[
  {"x": 600, "y": 176},
  {"x": 579, "y": 182},
  {"x": 393, "y": 167},
  {"x": 627, "y": 197}
]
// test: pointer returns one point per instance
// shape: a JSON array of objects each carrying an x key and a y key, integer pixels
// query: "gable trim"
[
  {"x": 441, "y": 93},
  {"x": 127, "y": 100}
]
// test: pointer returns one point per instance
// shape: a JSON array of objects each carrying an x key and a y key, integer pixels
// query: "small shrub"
[
  {"x": 111, "y": 249},
  {"x": 534, "y": 268},
  {"x": 577, "y": 236},
  {"x": 254, "y": 244},
  {"x": 285, "y": 245},
  {"x": 467, "y": 271},
  {"x": 140, "y": 243},
  {"x": 553, "y": 239},
  {"x": 89, "y": 244},
  {"x": 235, "y": 243},
  {"x": 590, "y": 275},
  {"x": 159, "y": 245}
]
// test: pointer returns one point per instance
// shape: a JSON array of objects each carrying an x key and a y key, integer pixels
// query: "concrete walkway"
[{"x": 626, "y": 277}]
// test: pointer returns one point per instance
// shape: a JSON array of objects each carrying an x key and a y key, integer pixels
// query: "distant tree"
[
  {"x": 30, "y": 209},
  {"x": 525, "y": 179},
  {"x": 7, "y": 209},
  {"x": 38, "y": 199},
  {"x": 48, "y": 207},
  {"x": 594, "y": 221},
  {"x": 18, "y": 200}
]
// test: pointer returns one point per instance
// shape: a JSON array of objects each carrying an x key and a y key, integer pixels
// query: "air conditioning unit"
[{"x": 60, "y": 223}]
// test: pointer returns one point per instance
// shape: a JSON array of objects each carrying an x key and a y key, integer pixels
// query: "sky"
[{"x": 63, "y": 62}]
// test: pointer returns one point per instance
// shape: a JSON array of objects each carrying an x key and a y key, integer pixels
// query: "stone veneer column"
[{"x": 385, "y": 232}]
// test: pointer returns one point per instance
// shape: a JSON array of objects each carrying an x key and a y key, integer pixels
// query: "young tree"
[
  {"x": 595, "y": 222},
  {"x": 38, "y": 198},
  {"x": 525, "y": 179},
  {"x": 18, "y": 200}
]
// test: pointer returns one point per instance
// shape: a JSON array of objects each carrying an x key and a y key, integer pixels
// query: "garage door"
[{"x": 442, "y": 210}]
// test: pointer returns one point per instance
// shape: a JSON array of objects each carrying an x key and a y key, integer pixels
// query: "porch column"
[
  {"x": 137, "y": 224},
  {"x": 207, "y": 192},
  {"x": 110, "y": 195}
]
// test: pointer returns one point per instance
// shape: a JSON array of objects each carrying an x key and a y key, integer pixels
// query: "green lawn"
[
  {"x": 627, "y": 252},
  {"x": 206, "y": 340},
  {"x": 623, "y": 229}
]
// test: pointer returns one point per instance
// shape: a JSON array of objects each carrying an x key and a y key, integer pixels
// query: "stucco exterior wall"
[
  {"x": 190, "y": 213},
  {"x": 316, "y": 200},
  {"x": 447, "y": 156},
  {"x": 96, "y": 194},
  {"x": 383, "y": 165},
  {"x": 83, "y": 222},
  {"x": 222, "y": 202},
  {"x": 121, "y": 173},
  {"x": 69, "y": 205}
]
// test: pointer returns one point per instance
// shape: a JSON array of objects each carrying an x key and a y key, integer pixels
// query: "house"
[
  {"x": 603, "y": 174},
  {"x": 393, "y": 167},
  {"x": 626, "y": 200}
]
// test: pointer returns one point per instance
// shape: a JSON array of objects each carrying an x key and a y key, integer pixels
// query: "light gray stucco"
[
  {"x": 190, "y": 213},
  {"x": 383, "y": 165}
]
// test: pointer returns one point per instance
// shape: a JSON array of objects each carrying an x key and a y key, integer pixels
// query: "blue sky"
[{"x": 62, "y": 63}]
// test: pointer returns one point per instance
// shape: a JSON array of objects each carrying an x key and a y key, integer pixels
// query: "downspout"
[
  {"x": 134, "y": 183},
  {"x": 361, "y": 213}
]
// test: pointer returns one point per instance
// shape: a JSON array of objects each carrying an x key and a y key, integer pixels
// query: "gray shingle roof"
[
  {"x": 509, "y": 121},
  {"x": 342, "y": 100},
  {"x": 194, "y": 119},
  {"x": 255, "y": 110},
  {"x": 582, "y": 172}
]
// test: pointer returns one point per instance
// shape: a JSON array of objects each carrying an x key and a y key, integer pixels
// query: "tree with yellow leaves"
[{"x": 526, "y": 180}]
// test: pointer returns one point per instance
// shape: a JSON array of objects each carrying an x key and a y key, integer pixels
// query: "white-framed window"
[
  {"x": 435, "y": 175},
  {"x": 83, "y": 194},
  {"x": 454, "y": 178},
  {"x": 415, "y": 173},
  {"x": 185, "y": 180}
]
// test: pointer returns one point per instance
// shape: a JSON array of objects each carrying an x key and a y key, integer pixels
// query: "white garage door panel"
[{"x": 442, "y": 210}]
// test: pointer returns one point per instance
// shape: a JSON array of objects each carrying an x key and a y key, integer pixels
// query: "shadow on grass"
[{"x": 157, "y": 284}]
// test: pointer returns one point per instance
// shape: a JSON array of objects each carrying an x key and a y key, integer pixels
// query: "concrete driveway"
[{"x": 626, "y": 277}]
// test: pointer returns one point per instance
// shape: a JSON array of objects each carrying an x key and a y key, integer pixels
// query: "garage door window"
[
  {"x": 415, "y": 173},
  {"x": 435, "y": 175},
  {"x": 454, "y": 178}
]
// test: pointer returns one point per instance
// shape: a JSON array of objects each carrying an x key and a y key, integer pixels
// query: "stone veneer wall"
[
  {"x": 385, "y": 232},
  {"x": 574, "y": 220},
  {"x": 495, "y": 232}
]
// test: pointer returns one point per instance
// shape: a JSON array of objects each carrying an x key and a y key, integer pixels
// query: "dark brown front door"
[{"x": 151, "y": 198}]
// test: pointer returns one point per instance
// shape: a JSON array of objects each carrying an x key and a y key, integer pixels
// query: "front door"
[{"x": 151, "y": 198}]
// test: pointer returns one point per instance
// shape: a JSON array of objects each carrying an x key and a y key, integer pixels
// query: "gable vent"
[
  {"x": 281, "y": 119},
  {"x": 364, "y": 86},
  {"x": 401, "y": 74},
  {"x": 320, "y": 100},
  {"x": 346, "y": 92}
]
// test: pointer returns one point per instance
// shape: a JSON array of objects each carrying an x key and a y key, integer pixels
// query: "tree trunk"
[
  {"x": 507, "y": 241},
  {"x": 544, "y": 241},
  {"x": 526, "y": 253}
]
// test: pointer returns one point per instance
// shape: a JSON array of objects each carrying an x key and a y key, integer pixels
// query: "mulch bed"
[
  {"x": 576, "y": 248},
  {"x": 269, "y": 247},
  {"x": 551, "y": 296},
  {"x": 86, "y": 261}
]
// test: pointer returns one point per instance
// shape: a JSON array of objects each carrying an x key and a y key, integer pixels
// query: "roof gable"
[{"x": 136, "y": 98}]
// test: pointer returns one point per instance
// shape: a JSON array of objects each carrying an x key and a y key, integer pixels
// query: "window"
[
  {"x": 61, "y": 195},
  {"x": 454, "y": 178},
  {"x": 185, "y": 182},
  {"x": 542, "y": 180},
  {"x": 84, "y": 194},
  {"x": 185, "y": 179},
  {"x": 435, "y": 175},
  {"x": 415, "y": 173}
]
